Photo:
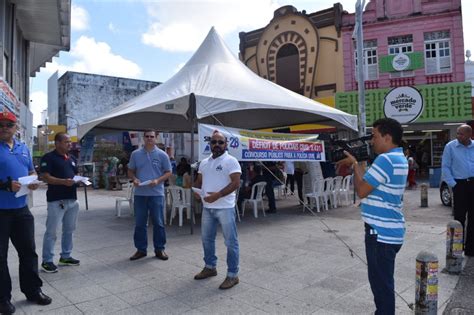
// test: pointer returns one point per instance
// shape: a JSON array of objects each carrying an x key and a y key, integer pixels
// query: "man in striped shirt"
[{"x": 381, "y": 189}]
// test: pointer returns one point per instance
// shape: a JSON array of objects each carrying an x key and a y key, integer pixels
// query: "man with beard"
[{"x": 219, "y": 178}]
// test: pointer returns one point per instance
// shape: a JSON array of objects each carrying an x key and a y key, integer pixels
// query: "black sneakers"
[
  {"x": 49, "y": 267},
  {"x": 69, "y": 262}
]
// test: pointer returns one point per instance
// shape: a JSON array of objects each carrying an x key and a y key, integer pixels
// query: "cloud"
[
  {"x": 112, "y": 27},
  {"x": 38, "y": 103},
  {"x": 79, "y": 18},
  {"x": 97, "y": 57},
  {"x": 182, "y": 25},
  {"x": 91, "y": 56}
]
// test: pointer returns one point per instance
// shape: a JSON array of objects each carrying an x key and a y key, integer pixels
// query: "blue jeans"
[
  {"x": 209, "y": 221},
  {"x": 381, "y": 266},
  {"x": 153, "y": 205},
  {"x": 67, "y": 215}
]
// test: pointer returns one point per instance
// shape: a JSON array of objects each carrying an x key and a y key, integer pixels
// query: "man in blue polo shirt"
[
  {"x": 149, "y": 168},
  {"x": 58, "y": 169},
  {"x": 16, "y": 221},
  {"x": 382, "y": 188}
]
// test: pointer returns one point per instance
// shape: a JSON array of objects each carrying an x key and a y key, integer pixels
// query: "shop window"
[
  {"x": 287, "y": 68},
  {"x": 437, "y": 52},
  {"x": 400, "y": 44},
  {"x": 371, "y": 68}
]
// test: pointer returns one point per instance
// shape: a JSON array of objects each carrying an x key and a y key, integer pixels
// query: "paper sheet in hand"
[
  {"x": 82, "y": 179},
  {"x": 198, "y": 191},
  {"x": 25, "y": 181},
  {"x": 147, "y": 182}
]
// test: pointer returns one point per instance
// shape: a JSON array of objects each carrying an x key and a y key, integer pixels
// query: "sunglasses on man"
[
  {"x": 219, "y": 142},
  {"x": 149, "y": 136},
  {"x": 7, "y": 125}
]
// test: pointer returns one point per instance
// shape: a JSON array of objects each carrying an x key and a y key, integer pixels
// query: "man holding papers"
[
  {"x": 16, "y": 221},
  {"x": 219, "y": 178},
  {"x": 149, "y": 168},
  {"x": 58, "y": 169}
]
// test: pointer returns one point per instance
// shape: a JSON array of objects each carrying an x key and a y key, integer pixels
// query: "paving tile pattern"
[{"x": 291, "y": 263}]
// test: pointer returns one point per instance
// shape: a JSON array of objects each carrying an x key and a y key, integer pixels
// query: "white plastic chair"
[
  {"x": 346, "y": 189},
  {"x": 128, "y": 198},
  {"x": 180, "y": 200},
  {"x": 256, "y": 196},
  {"x": 336, "y": 191},
  {"x": 328, "y": 188},
  {"x": 316, "y": 195}
]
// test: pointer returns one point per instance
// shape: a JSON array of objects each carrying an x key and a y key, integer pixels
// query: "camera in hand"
[{"x": 359, "y": 148}]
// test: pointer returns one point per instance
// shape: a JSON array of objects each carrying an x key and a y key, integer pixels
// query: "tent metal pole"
[{"x": 192, "y": 106}]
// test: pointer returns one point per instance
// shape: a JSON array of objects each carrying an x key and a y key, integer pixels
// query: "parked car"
[{"x": 445, "y": 194}]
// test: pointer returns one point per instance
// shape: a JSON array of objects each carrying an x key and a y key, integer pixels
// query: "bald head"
[
  {"x": 218, "y": 144},
  {"x": 463, "y": 134}
]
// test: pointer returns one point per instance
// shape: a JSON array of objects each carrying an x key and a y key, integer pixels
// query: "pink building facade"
[
  {"x": 411, "y": 25},
  {"x": 413, "y": 70}
]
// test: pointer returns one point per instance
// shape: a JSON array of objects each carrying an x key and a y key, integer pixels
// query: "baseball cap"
[{"x": 6, "y": 115}]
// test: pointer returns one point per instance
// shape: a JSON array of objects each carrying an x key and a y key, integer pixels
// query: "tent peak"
[{"x": 212, "y": 50}]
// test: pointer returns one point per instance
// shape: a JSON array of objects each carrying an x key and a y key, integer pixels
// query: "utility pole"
[{"x": 359, "y": 37}]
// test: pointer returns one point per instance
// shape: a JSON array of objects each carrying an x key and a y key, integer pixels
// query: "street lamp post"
[
  {"x": 359, "y": 37},
  {"x": 46, "y": 132},
  {"x": 75, "y": 134}
]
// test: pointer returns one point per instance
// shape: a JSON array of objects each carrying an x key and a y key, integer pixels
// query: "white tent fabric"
[{"x": 226, "y": 92}]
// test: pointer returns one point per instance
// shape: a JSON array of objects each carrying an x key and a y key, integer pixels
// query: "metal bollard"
[
  {"x": 424, "y": 195},
  {"x": 426, "y": 291},
  {"x": 454, "y": 247}
]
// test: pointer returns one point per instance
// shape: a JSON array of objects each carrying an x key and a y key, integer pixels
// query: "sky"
[{"x": 152, "y": 39}]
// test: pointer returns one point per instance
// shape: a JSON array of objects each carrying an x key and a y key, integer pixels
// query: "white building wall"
[{"x": 87, "y": 96}]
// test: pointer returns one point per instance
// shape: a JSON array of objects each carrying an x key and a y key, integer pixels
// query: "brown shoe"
[
  {"x": 206, "y": 273},
  {"x": 138, "y": 255},
  {"x": 229, "y": 283},
  {"x": 160, "y": 254}
]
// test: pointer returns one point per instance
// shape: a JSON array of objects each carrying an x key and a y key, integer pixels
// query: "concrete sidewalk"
[
  {"x": 462, "y": 300},
  {"x": 291, "y": 262}
]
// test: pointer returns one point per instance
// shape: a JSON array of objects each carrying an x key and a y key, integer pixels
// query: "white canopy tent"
[{"x": 215, "y": 87}]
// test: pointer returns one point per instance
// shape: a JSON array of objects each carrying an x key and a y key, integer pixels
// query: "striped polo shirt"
[{"x": 382, "y": 209}]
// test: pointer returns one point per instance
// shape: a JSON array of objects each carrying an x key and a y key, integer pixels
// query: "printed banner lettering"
[{"x": 250, "y": 145}]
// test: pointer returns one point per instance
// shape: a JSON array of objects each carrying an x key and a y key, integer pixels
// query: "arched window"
[{"x": 287, "y": 68}]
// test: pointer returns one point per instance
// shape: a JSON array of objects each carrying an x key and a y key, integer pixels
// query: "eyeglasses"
[
  {"x": 149, "y": 137},
  {"x": 7, "y": 125},
  {"x": 220, "y": 142}
]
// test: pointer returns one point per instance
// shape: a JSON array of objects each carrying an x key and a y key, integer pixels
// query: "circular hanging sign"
[
  {"x": 404, "y": 104},
  {"x": 400, "y": 62}
]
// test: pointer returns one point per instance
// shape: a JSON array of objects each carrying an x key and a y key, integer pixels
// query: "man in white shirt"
[{"x": 219, "y": 178}]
